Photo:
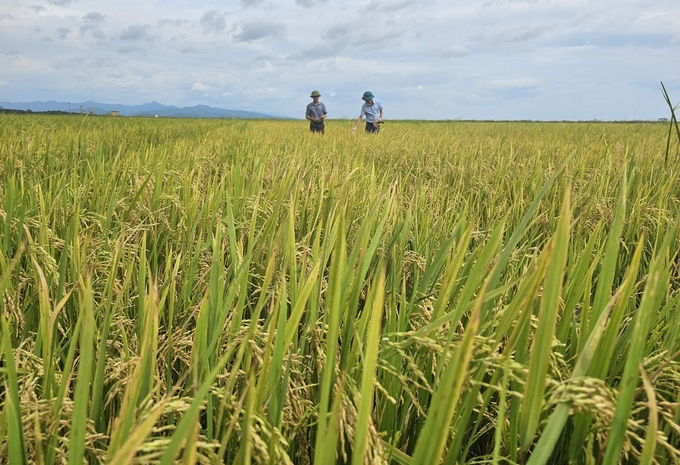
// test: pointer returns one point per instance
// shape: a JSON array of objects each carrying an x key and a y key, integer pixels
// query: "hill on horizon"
[{"x": 150, "y": 109}]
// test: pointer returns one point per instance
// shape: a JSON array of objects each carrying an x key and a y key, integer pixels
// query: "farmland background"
[{"x": 456, "y": 292}]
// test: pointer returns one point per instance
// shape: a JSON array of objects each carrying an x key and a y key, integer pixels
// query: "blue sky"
[{"x": 470, "y": 59}]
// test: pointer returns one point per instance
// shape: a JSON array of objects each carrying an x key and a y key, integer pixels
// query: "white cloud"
[
  {"x": 514, "y": 83},
  {"x": 94, "y": 17},
  {"x": 309, "y": 3},
  {"x": 62, "y": 33},
  {"x": 201, "y": 88},
  {"x": 136, "y": 32},
  {"x": 252, "y": 30},
  {"x": 456, "y": 50},
  {"x": 87, "y": 29},
  {"x": 131, "y": 49},
  {"x": 481, "y": 58},
  {"x": 213, "y": 21},
  {"x": 391, "y": 5}
]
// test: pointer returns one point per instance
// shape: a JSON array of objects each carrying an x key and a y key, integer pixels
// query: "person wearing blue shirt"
[
  {"x": 316, "y": 113},
  {"x": 373, "y": 111}
]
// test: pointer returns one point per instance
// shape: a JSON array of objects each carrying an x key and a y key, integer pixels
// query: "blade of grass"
[
  {"x": 375, "y": 303},
  {"x": 127, "y": 451},
  {"x": 674, "y": 122},
  {"x": 190, "y": 417},
  {"x": 326, "y": 431},
  {"x": 543, "y": 450},
  {"x": 432, "y": 438},
  {"x": 12, "y": 407},
  {"x": 657, "y": 283},
  {"x": 647, "y": 457},
  {"x": 81, "y": 395},
  {"x": 539, "y": 360}
]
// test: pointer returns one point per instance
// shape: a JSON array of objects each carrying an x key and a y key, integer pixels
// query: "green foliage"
[{"x": 205, "y": 291}]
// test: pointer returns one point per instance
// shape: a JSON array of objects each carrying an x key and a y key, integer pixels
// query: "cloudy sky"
[{"x": 424, "y": 59}]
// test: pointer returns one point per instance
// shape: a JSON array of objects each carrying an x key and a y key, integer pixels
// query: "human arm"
[
  {"x": 380, "y": 117},
  {"x": 354, "y": 129},
  {"x": 361, "y": 115},
  {"x": 311, "y": 118},
  {"x": 379, "y": 120}
]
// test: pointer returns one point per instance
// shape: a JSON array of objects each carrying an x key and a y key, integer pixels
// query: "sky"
[{"x": 434, "y": 59}]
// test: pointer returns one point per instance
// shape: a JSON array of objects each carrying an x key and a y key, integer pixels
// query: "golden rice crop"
[{"x": 205, "y": 291}]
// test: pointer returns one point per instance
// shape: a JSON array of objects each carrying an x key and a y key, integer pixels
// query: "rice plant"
[{"x": 196, "y": 291}]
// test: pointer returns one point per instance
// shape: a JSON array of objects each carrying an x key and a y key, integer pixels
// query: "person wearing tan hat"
[{"x": 316, "y": 113}]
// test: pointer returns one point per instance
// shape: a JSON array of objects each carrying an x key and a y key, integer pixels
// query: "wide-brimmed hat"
[
  {"x": 368, "y": 95},
  {"x": 315, "y": 93}
]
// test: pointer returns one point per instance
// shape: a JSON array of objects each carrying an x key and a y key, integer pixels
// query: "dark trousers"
[
  {"x": 317, "y": 127},
  {"x": 372, "y": 128}
]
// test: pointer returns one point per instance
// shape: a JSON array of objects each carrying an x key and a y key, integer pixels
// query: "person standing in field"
[
  {"x": 373, "y": 110},
  {"x": 316, "y": 113}
]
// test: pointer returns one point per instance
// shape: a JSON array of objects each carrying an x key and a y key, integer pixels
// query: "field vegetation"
[{"x": 199, "y": 291}]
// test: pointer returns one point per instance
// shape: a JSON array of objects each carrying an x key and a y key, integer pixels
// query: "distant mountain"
[
  {"x": 147, "y": 109},
  {"x": 202, "y": 111}
]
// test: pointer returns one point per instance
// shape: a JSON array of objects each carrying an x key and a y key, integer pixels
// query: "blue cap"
[{"x": 367, "y": 95}]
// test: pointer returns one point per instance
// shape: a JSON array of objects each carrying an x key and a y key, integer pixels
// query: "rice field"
[{"x": 204, "y": 291}]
